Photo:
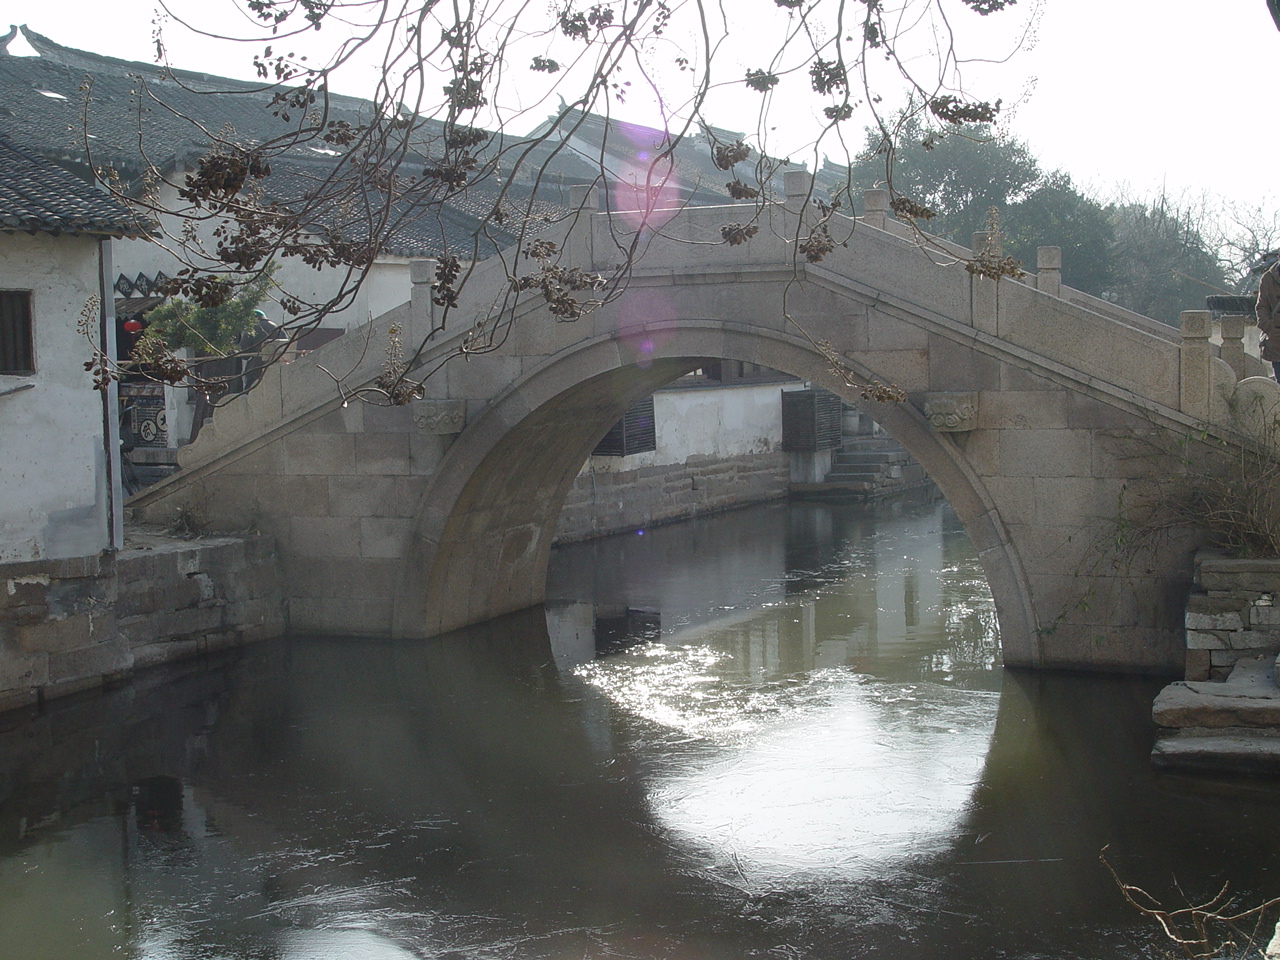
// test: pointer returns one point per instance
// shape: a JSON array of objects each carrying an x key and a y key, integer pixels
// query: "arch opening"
[{"x": 486, "y": 525}]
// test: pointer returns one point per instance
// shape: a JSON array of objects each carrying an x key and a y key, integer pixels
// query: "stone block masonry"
[
  {"x": 1234, "y": 614},
  {"x": 1225, "y": 716},
  {"x": 1060, "y": 396},
  {"x": 72, "y": 625}
]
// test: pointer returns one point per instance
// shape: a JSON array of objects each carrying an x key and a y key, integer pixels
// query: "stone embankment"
[
  {"x": 1225, "y": 716},
  {"x": 73, "y": 625},
  {"x": 603, "y": 503}
]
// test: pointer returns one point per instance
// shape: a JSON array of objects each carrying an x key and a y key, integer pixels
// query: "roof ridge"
[{"x": 56, "y": 53}]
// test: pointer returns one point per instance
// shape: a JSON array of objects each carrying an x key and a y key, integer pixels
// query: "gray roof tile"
[{"x": 38, "y": 196}]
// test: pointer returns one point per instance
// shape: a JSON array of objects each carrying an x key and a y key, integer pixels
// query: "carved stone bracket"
[
  {"x": 439, "y": 416},
  {"x": 952, "y": 412}
]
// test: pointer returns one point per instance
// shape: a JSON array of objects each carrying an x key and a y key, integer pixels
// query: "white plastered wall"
[
  {"x": 719, "y": 422},
  {"x": 387, "y": 285},
  {"x": 53, "y": 475}
]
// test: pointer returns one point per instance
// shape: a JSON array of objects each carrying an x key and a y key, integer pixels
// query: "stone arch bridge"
[{"x": 1027, "y": 404}]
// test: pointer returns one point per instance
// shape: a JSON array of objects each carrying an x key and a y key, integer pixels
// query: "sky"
[{"x": 1129, "y": 95}]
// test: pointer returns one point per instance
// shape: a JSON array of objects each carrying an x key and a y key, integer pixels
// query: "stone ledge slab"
[
  {"x": 1223, "y": 573},
  {"x": 1232, "y": 620},
  {"x": 1224, "y": 752},
  {"x": 1188, "y": 704}
]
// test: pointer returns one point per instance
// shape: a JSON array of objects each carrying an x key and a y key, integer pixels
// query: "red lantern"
[{"x": 133, "y": 326}]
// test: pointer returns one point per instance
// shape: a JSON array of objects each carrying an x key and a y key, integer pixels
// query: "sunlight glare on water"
[
  {"x": 834, "y": 792},
  {"x": 783, "y": 776},
  {"x": 824, "y": 775}
]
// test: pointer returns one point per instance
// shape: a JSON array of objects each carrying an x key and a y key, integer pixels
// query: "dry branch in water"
[{"x": 1218, "y": 927}]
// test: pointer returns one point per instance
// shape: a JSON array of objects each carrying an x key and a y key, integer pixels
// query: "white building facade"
[{"x": 59, "y": 471}]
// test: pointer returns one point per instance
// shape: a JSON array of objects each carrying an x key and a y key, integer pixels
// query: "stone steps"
[
  {"x": 868, "y": 461},
  {"x": 1231, "y": 725},
  {"x": 1253, "y": 752},
  {"x": 866, "y": 468},
  {"x": 1249, "y": 697},
  {"x": 854, "y": 456}
]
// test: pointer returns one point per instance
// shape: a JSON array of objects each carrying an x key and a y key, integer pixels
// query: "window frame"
[
  {"x": 17, "y": 334},
  {"x": 635, "y": 433}
]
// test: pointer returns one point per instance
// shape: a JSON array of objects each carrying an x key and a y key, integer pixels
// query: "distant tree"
[
  {"x": 1155, "y": 257},
  {"x": 1246, "y": 238},
  {"x": 957, "y": 175},
  {"x": 962, "y": 175},
  {"x": 1162, "y": 262},
  {"x": 1056, "y": 214}
]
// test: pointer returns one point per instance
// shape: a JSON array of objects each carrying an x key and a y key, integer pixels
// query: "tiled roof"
[
  {"x": 43, "y": 108},
  {"x": 141, "y": 114},
  {"x": 38, "y": 196},
  {"x": 136, "y": 112},
  {"x": 631, "y": 153},
  {"x": 437, "y": 228}
]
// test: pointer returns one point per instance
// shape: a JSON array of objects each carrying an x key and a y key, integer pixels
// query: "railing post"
[
  {"x": 422, "y": 312},
  {"x": 584, "y": 200},
  {"x": 1049, "y": 270},
  {"x": 1233, "y": 343},
  {"x": 1194, "y": 378},
  {"x": 875, "y": 207},
  {"x": 984, "y": 293},
  {"x": 796, "y": 187}
]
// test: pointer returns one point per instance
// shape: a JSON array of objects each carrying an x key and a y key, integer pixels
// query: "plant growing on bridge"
[
  {"x": 1224, "y": 487},
  {"x": 339, "y": 184},
  {"x": 1215, "y": 488}
]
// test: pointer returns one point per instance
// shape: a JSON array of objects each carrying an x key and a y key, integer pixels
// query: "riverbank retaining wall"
[
  {"x": 617, "y": 501},
  {"x": 1233, "y": 613},
  {"x": 72, "y": 625},
  {"x": 76, "y": 624}
]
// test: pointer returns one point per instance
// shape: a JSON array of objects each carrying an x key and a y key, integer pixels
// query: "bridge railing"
[
  {"x": 880, "y": 257},
  {"x": 1222, "y": 384},
  {"x": 1180, "y": 369},
  {"x": 1213, "y": 360}
]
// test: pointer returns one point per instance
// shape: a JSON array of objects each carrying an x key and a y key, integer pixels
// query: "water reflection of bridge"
[
  {"x": 465, "y": 795},
  {"x": 807, "y": 589}
]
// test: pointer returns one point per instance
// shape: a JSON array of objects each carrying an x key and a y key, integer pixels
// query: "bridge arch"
[
  {"x": 484, "y": 527},
  {"x": 396, "y": 520}
]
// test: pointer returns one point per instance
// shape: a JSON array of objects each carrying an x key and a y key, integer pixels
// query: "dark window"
[
  {"x": 811, "y": 420},
  {"x": 17, "y": 353},
  {"x": 634, "y": 433}
]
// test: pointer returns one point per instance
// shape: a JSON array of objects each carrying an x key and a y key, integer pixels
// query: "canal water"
[{"x": 778, "y": 733}]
